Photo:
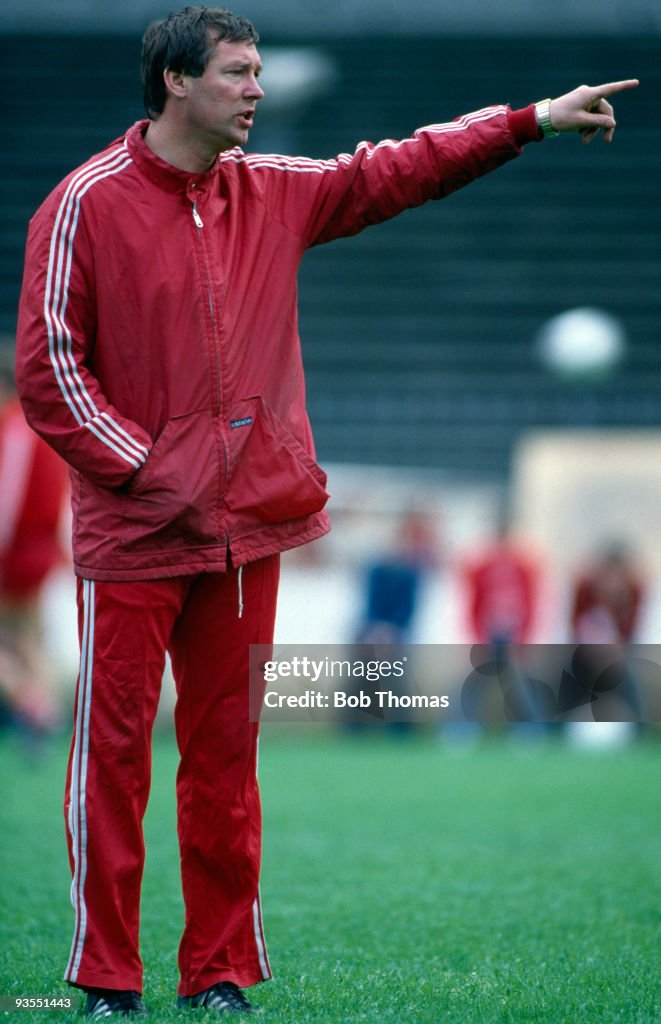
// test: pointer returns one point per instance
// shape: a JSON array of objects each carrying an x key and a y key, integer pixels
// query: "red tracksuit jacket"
[{"x": 158, "y": 348}]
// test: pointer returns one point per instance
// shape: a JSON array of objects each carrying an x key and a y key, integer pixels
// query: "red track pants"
[{"x": 125, "y": 630}]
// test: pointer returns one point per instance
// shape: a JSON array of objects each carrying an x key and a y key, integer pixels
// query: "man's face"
[{"x": 220, "y": 104}]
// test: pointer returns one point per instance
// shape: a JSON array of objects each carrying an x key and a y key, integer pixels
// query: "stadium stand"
[{"x": 417, "y": 335}]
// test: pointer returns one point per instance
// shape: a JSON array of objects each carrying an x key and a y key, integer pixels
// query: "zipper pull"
[{"x": 196, "y": 217}]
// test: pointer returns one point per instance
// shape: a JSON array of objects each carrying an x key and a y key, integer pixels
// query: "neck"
[{"x": 179, "y": 152}]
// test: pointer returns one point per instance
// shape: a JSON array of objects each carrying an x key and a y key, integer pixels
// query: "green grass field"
[{"x": 404, "y": 881}]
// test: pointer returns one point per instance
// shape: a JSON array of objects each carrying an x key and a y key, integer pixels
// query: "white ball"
[
  {"x": 582, "y": 343},
  {"x": 600, "y": 735}
]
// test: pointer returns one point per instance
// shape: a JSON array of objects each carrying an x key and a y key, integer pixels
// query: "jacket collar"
[{"x": 170, "y": 178}]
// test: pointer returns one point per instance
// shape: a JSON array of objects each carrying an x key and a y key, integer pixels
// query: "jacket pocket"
[
  {"x": 272, "y": 477},
  {"x": 172, "y": 502}
]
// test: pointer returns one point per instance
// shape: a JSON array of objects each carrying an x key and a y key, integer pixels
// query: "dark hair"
[{"x": 184, "y": 42}]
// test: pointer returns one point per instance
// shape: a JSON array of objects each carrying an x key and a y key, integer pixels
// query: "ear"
[{"x": 175, "y": 83}]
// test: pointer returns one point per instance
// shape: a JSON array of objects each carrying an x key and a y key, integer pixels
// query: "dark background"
[{"x": 418, "y": 334}]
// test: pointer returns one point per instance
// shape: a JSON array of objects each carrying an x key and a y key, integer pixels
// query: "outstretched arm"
[
  {"x": 327, "y": 199},
  {"x": 587, "y": 110}
]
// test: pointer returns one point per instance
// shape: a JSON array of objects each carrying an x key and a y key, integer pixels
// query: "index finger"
[{"x": 612, "y": 87}]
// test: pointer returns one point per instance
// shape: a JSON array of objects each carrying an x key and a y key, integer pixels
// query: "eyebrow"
[{"x": 243, "y": 66}]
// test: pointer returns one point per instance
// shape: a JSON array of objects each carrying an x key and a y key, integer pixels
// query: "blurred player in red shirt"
[
  {"x": 502, "y": 584},
  {"x": 605, "y": 614},
  {"x": 502, "y": 588},
  {"x": 607, "y": 599},
  {"x": 33, "y": 485}
]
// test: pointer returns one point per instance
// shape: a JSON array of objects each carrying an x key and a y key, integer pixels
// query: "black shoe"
[
  {"x": 109, "y": 1002},
  {"x": 223, "y": 997}
]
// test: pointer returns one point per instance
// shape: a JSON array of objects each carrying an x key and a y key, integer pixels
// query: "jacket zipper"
[{"x": 199, "y": 224}]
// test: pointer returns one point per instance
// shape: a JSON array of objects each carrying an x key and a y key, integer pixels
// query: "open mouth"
[{"x": 246, "y": 118}]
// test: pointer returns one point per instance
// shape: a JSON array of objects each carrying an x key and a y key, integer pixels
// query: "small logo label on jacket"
[{"x": 245, "y": 422}]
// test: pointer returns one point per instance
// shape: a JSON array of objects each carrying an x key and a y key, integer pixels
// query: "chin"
[{"x": 230, "y": 142}]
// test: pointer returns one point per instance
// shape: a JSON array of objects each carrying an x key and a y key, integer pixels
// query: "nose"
[{"x": 254, "y": 89}]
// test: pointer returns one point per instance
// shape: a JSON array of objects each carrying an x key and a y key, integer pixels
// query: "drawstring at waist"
[{"x": 240, "y": 581}]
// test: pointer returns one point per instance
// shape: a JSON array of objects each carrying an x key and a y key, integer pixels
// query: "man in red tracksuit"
[{"x": 159, "y": 355}]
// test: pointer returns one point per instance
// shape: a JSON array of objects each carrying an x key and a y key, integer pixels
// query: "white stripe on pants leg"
[
  {"x": 259, "y": 938},
  {"x": 77, "y": 813},
  {"x": 258, "y": 924}
]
